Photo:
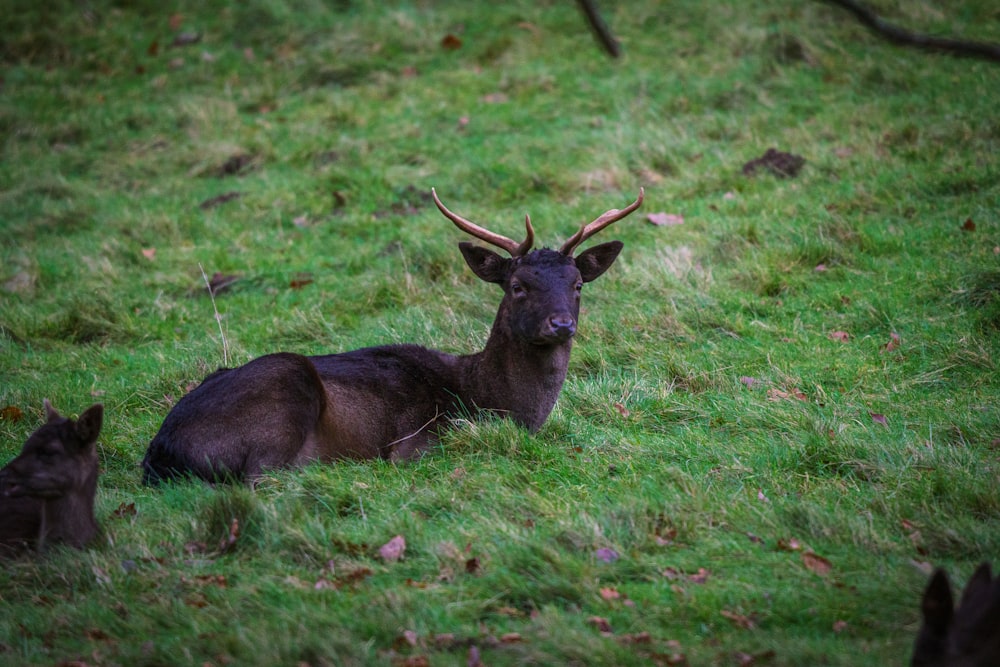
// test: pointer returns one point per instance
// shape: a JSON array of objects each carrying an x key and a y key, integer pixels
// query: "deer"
[
  {"x": 968, "y": 636},
  {"x": 393, "y": 402},
  {"x": 47, "y": 492}
]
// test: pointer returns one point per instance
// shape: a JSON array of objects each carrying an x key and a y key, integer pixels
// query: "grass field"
[{"x": 780, "y": 414}]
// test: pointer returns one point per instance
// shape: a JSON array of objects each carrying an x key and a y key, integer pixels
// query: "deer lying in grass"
[
  {"x": 392, "y": 401},
  {"x": 965, "y": 637},
  {"x": 47, "y": 492}
]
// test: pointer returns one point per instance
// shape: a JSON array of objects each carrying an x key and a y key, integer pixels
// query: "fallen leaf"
[
  {"x": 662, "y": 219},
  {"x": 740, "y": 620},
  {"x": 299, "y": 283},
  {"x": 839, "y": 626},
  {"x": 11, "y": 413},
  {"x": 600, "y": 623},
  {"x": 761, "y": 497},
  {"x": 789, "y": 545},
  {"x": 775, "y": 394},
  {"x": 778, "y": 163},
  {"x": 124, "y": 510},
  {"x": 472, "y": 566},
  {"x": 220, "y": 282},
  {"x": 699, "y": 577},
  {"x": 495, "y": 98},
  {"x": 393, "y": 550},
  {"x": 749, "y": 381},
  {"x": 923, "y": 566},
  {"x": 894, "y": 342},
  {"x": 840, "y": 336},
  {"x": 610, "y": 594},
  {"x": 820, "y": 268},
  {"x": 606, "y": 555},
  {"x": 450, "y": 42},
  {"x": 149, "y": 253},
  {"x": 228, "y": 542},
  {"x": 510, "y": 638},
  {"x": 176, "y": 21},
  {"x": 622, "y": 410},
  {"x": 968, "y": 225},
  {"x": 413, "y": 661},
  {"x": 816, "y": 563},
  {"x": 473, "y": 659},
  {"x": 878, "y": 419},
  {"x": 637, "y": 638}
]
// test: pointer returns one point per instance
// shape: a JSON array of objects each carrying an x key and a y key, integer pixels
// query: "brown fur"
[
  {"x": 968, "y": 636},
  {"x": 392, "y": 401},
  {"x": 47, "y": 492}
]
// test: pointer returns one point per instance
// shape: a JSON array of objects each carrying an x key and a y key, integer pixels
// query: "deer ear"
[
  {"x": 592, "y": 262},
  {"x": 978, "y": 586},
  {"x": 486, "y": 264},
  {"x": 88, "y": 426},
  {"x": 937, "y": 605},
  {"x": 51, "y": 414}
]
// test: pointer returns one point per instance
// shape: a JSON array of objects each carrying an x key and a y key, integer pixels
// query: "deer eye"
[
  {"x": 516, "y": 288},
  {"x": 579, "y": 285}
]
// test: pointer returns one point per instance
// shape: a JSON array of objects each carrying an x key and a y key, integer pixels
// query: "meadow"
[{"x": 782, "y": 409}]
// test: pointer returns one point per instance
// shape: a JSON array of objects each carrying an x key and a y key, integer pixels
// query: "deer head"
[
  {"x": 541, "y": 287},
  {"x": 965, "y": 637},
  {"x": 59, "y": 457}
]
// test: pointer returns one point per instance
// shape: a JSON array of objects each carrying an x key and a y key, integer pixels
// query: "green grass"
[{"x": 333, "y": 121}]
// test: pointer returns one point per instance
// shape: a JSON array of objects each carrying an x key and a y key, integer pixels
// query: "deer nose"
[{"x": 562, "y": 326}]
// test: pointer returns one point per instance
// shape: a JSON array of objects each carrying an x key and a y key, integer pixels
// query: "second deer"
[
  {"x": 392, "y": 401},
  {"x": 47, "y": 492}
]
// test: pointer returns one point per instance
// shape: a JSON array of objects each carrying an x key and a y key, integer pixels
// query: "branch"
[
  {"x": 600, "y": 28},
  {"x": 952, "y": 47}
]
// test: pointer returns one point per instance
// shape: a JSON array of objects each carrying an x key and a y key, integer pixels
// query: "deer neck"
[{"x": 515, "y": 377}]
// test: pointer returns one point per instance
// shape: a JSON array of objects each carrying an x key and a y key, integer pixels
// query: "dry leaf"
[
  {"x": 839, "y": 626},
  {"x": 665, "y": 219},
  {"x": 606, "y": 555},
  {"x": 816, "y": 563},
  {"x": 775, "y": 394},
  {"x": 894, "y": 342},
  {"x": 749, "y": 381},
  {"x": 393, "y": 550},
  {"x": 610, "y": 594},
  {"x": 739, "y": 620},
  {"x": 622, "y": 410},
  {"x": 968, "y": 225},
  {"x": 878, "y": 419},
  {"x": 600, "y": 623},
  {"x": 789, "y": 545},
  {"x": 450, "y": 42},
  {"x": 840, "y": 336},
  {"x": 124, "y": 510},
  {"x": 149, "y": 253},
  {"x": 11, "y": 413},
  {"x": 228, "y": 542}
]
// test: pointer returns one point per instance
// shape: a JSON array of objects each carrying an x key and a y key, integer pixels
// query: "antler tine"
[
  {"x": 510, "y": 245},
  {"x": 606, "y": 219}
]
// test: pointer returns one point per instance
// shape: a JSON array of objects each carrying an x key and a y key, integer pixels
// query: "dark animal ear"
[
  {"x": 486, "y": 264},
  {"x": 937, "y": 605},
  {"x": 592, "y": 262},
  {"x": 51, "y": 414},
  {"x": 977, "y": 590},
  {"x": 88, "y": 426}
]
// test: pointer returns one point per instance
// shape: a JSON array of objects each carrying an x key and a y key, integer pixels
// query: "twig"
[
  {"x": 218, "y": 318},
  {"x": 600, "y": 28},
  {"x": 953, "y": 47}
]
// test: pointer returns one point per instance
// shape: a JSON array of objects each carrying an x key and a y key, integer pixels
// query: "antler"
[
  {"x": 510, "y": 245},
  {"x": 607, "y": 218}
]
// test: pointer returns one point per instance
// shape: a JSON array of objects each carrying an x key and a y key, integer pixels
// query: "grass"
[{"x": 678, "y": 443}]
